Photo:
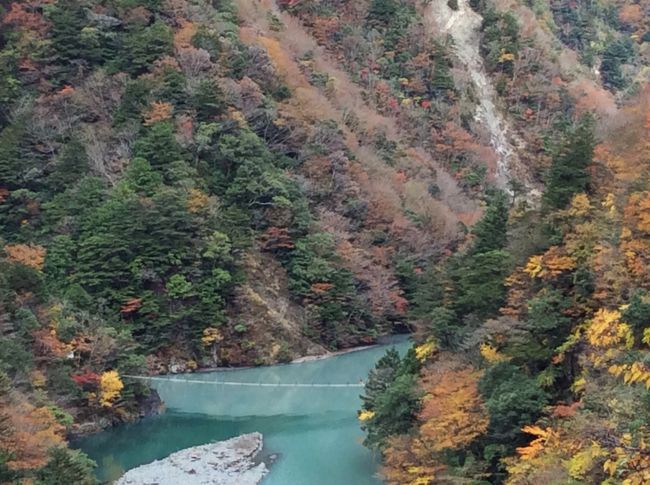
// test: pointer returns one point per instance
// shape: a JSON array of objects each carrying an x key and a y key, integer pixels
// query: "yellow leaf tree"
[
  {"x": 607, "y": 330},
  {"x": 211, "y": 339},
  {"x": 110, "y": 386}
]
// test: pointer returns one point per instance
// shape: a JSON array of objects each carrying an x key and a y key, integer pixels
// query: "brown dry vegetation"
[{"x": 374, "y": 177}]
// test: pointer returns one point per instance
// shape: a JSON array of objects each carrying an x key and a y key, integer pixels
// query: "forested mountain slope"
[
  {"x": 532, "y": 365},
  {"x": 186, "y": 184}
]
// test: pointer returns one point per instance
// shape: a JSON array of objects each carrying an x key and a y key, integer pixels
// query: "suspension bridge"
[
  {"x": 247, "y": 384},
  {"x": 313, "y": 388}
]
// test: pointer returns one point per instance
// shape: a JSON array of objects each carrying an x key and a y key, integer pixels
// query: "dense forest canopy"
[{"x": 192, "y": 183}]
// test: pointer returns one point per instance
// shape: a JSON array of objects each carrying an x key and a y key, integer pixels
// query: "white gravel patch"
[{"x": 231, "y": 462}]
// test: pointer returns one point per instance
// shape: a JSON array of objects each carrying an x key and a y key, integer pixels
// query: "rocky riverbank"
[
  {"x": 87, "y": 423},
  {"x": 232, "y": 462}
]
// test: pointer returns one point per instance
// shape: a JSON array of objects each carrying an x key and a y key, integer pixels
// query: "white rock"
[{"x": 230, "y": 462}]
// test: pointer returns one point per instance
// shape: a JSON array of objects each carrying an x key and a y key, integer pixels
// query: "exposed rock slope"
[{"x": 464, "y": 26}]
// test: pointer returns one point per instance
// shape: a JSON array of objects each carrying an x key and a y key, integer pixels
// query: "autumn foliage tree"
[
  {"x": 29, "y": 255},
  {"x": 452, "y": 417},
  {"x": 110, "y": 386},
  {"x": 29, "y": 432},
  {"x": 453, "y": 414}
]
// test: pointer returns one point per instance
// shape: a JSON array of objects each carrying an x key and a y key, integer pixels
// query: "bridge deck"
[{"x": 246, "y": 384}]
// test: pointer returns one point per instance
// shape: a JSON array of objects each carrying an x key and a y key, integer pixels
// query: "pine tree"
[
  {"x": 392, "y": 399},
  {"x": 442, "y": 80},
  {"x": 71, "y": 165},
  {"x": 380, "y": 378},
  {"x": 158, "y": 145},
  {"x": 12, "y": 166},
  {"x": 136, "y": 98},
  {"x": 141, "y": 178},
  {"x": 491, "y": 231},
  {"x": 445, "y": 326},
  {"x": 143, "y": 46},
  {"x": 568, "y": 174},
  {"x": 513, "y": 399},
  {"x": 208, "y": 100},
  {"x": 618, "y": 52},
  {"x": 67, "y": 467},
  {"x": 74, "y": 40},
  {"x": 428, "y": 293},
  {"x": 382, "y": 11},
  {"x": 480, "y": 283}
]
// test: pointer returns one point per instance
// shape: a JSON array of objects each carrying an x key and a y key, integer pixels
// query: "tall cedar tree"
[{"x": 568, "y": 174}]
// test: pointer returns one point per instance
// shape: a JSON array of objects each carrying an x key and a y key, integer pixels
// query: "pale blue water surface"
[{"x": 314, "y": 431}]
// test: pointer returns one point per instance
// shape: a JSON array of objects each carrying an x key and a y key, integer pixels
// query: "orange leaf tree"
[{"x": 27, "y": 254}]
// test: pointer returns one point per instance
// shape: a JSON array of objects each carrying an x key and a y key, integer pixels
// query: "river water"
[{"x": 313, "y": 430}]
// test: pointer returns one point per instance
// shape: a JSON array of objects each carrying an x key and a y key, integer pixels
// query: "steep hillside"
[
  {"x": 187, "y": 184},
  {"x": 532, "y": 363}
]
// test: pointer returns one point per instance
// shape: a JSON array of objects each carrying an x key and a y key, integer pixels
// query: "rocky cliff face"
[{"x": 464, "y": 25}]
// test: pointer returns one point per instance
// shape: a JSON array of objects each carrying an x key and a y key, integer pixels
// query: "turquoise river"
[{"x": 314, "y": 431}]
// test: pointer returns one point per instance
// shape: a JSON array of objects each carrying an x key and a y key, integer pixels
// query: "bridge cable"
[{"x": 244, "y": 384}]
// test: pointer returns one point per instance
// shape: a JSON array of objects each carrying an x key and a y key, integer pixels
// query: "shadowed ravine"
[{"x": 314, "y": 430}]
